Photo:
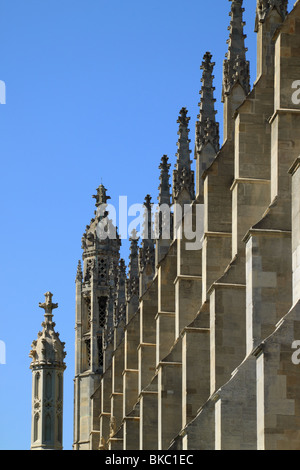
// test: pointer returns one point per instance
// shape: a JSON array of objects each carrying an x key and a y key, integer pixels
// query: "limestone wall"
[{"x": 206, "y": 362}]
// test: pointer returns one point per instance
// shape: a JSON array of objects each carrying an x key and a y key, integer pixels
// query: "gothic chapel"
[{"x": 197, "y": 349}]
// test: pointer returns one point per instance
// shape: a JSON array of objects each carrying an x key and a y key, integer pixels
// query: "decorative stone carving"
[
  {"x": 48, "y": 349},
  {"x": 48, "y": 364},
  {"x": 264, "y": 7},
  {"x": 207, "y": 129},
  {"x": 183, "y": 176},
  {"x": 236, "y": 67}
]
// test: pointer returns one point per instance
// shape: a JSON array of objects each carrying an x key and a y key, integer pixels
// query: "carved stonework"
[
  {"x": 101, "y": 196},
  {"x": 183, "y": 176},
  {"x": 48, "y": 349},
  {"x": 207, "y": 129},
  {"x": 79, "y": 276},
  {"x": 48, "y": 365},
  {"x": 236, "y": 67},
  {"x": 264, "y": 7}
]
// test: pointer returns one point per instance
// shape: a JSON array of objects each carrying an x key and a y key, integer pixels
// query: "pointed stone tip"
[
  {"x": 183, "y": 111},
  {"x": 134, "y": 237},
  {"x": 79, "y": 271},
  {"x": 235, "y": 66},
  {"x": 147, "y": 202},
  {"x": 183, "y": 117},
  {"x": 164, "y": 164},
  {"x": 48, "y": 306},
  {"x": 207, "y": 56},
  {"x": 101, "y": 196}
]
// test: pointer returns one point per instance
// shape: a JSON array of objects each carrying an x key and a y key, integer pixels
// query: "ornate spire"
[
  {"x": 109, "y": 312},
  {"x": 183, "y": 176},
  {"x": 146, "y": 251},
  {"x": 79, "y": 275},
  {"x": 164, "y": 196},
  {"x": 120, "y": 293},
  {"x": 133, "y": 256},
  {"x": 236, "y": 67},
  {"x": 132, "y": 283},
  {"x": 147, "y": 225},
  {"x": 101, "y": 230},
  {"x": 264, "y": 7},
  {"x": 207, "y": 129},
  {"x": 121, "y": 282},
  {"x": 163, "y": 219},
  {"x": 48, "y": 349}
]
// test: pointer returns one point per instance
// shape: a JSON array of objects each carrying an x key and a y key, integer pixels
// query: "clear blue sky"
[{"x": 94, "y": 88}]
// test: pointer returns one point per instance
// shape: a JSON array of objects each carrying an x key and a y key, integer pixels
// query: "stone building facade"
[{"x": 197, "y": 348}]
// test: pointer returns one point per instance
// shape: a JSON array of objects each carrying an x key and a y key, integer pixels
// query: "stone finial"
[
  {"x": 207, "y": 129},
  {"x": 264, "y": 7},
  {"x": 236, "y": 67},
  {"x": 183, "y": 176},
  {"x": 101, "y": 196},
  {"x": 48, "y": 306},
  {"x": 48, "y": 349}
]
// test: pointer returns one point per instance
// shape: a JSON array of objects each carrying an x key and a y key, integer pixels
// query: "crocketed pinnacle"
[
  {"x": 132, "y": 282},
  {"x": 121, "y": 280},
  {"x": 164, "y": 196},
  {"x": 133, "y": 256},
  {"x": 120, "y": 296},
  {"x": 110, "y": 307},
  {"x": 79, "y": 275},
  {"x": 146, "y": 251},
  {"x": 264, "y": 7},
  {"x": 183, "y": 176},
  {"x": 147, "y": 224},
  {"x": 207, "y": 129},
  {"x": 163, "y": 218},
  {"x": 236, "y": 67}
]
